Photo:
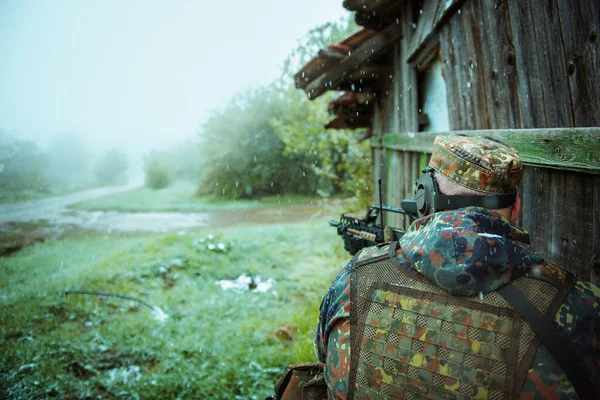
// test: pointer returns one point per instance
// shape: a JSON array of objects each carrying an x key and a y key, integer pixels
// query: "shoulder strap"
[{"x": 558, "y": 346}]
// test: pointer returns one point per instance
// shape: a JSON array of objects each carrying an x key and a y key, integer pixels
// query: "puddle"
[{"x": 245, "y": 283}]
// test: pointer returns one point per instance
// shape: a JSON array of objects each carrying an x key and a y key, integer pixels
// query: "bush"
[
  {"x": 112, "y": 167},
  {"x": 158, "y": 171}
]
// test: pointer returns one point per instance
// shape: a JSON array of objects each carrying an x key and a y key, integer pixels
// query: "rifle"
[{"x": 359, "y": 232}]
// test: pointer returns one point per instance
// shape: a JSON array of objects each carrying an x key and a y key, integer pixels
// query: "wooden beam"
[
  {"x": 356, "y": 5},
  {"x": 574, "y": 149},
  {"x": 435, "y": 14},
  {"x": 369, "y": 50}
]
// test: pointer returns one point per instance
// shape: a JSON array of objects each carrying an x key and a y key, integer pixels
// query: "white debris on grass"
[
  {"x": 125, "y": 374},
  {"x": 245, "y": 282},
  {"x": 159, "y": 314}
]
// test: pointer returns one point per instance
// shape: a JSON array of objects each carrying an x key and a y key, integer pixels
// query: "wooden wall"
[{"x": 516, "y": 64}]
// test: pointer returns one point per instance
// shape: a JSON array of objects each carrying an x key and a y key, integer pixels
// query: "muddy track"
[{"x": 22, "y": 224}]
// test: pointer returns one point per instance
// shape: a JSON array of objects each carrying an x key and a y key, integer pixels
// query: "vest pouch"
[{"x": 302, "y": 382}]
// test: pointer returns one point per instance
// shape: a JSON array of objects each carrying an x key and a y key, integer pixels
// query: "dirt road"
[{"x": 55, "y": 212}]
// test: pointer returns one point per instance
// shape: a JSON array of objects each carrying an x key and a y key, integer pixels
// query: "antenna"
[{"x": 380, "y": 203}]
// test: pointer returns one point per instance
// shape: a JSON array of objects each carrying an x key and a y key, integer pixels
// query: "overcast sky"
[{"x": 139, "y": 72}]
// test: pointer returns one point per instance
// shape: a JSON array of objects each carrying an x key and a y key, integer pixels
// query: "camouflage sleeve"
[
  {"x": 337, "y": 367},
  {"x": 334, "y": 307},
  {"x": 578, "y": 319}
]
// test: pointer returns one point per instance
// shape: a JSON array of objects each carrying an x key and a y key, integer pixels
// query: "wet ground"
[{"x": 32, "y": 221}]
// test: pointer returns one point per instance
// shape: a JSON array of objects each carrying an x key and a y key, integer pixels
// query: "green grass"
[
  {"x": 12, "y": 195},
  {"x": 215, "y": 344},
  {"x": 181, "y": 196}
]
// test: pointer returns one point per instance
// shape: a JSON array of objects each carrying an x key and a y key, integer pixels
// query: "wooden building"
[{"x": 524, "y": 71}]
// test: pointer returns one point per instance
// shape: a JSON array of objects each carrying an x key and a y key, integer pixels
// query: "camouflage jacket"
[{"x": 467, "y": 252}]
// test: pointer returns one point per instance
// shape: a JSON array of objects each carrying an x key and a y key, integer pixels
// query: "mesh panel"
[
  {"x": 365, "y": 356},
  {"x": 469, "y": 361},
  {"x": 438, "y": 380},
  {"x": 447, "y": 327},
  {"x": 467, "y": 389},
  {"x": 417, "y": 345},
  {"x": 314, "y": 393},
  {"x": 474, "y": 333},
  {"x": 385, "y": 389},
  {"x": 412, "y": 373},
  {"x": 422, "y": 320},
  {"x": 398, "y": 314},
  {"x": 443, "y": 353},
  {"x": 370, "y": 331},
  {"x": 410, "y": 396},
  {"x": 526, "y": 335},
  {"x": 495, "y": 299},
  {"x": 538, "y": 292},
  {"x": 494, "y": 394},
  {"x": 376, "y": 308},
  {"x": 502, "y": 340},
  {"x": 498, "y": 367},
  {"x": 394, "y": 339},
  {"x": 362, "y": 380},
  {"x": 388, "y": 364}
]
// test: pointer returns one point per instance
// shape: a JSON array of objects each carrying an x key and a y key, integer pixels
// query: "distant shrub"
[
  {"x": 112, "y": 167},
  {"x": 158, "y": 171}
]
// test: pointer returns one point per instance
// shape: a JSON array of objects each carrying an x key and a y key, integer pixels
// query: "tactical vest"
[{"x": 412, "y": 340}]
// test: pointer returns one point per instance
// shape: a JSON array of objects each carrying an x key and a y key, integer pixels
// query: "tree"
[
  {"x": 158, "y": 171},
  {"x": 23, "y": 166},
  {"x": 271, "y": 139},
  {"x": 111, "y": 168},
  {"x": 69, "y": 161},
  {"x": 242, "y": 154}
]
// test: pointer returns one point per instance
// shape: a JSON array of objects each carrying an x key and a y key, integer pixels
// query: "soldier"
[{"x": 461, "y": 306}]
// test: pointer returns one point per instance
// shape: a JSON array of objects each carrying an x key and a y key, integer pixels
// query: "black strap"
[
  {"x": 558, "y": 346},
  {"x": 492, "y": 202}
]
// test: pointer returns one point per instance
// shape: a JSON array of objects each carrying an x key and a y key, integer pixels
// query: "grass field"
[
  {"x": 11, "y": 195},
  {"x": 215, "y": 343},
  {"x": 181, "y": 196}
]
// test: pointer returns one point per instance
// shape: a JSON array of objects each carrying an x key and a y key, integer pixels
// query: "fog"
[{"x": 135, "y": 75}]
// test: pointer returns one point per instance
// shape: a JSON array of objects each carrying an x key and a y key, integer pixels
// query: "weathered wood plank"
[
  {"x": 580, "y": 22},
  {"x": 424, "y": 34},
  {"x": 407, "y": 75},
  {"x": 576, "y": 149},
  {"x": 476, "y": 83},
  {"x": 534, "y": 189},
  {"x": 379, "y": 156},
  {"x": 415, "y": 169},
  {"x": 540, "y": 63},
  {"x": 397, "y": 65},
  {"x": 557, "y": 206},
  {"x": 394, "y": 179},
  {"x": 434, "y": 16},
  {"x": 497, "y": 61},
  {"x": 371, "y": 49},
  {"x": 532, "y": 112},
  {"x": 450, "y": 72},
  {"x": 463, "y": 94},
  {"x": 553, "y": 67},
  {"x": 405, "y": 190},
  {"x": 572, "y": 236}
]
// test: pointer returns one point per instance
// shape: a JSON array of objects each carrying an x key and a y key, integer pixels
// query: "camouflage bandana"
[
  {"x": 468, "y": 251},
  {"x": 477, "y": 163}
]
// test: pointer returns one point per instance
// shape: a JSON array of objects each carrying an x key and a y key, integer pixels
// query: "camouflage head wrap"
[{"x": 477, "y": 163}]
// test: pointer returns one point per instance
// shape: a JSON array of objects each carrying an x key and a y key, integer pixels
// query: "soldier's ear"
[{"x": 516, "y": 208}]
